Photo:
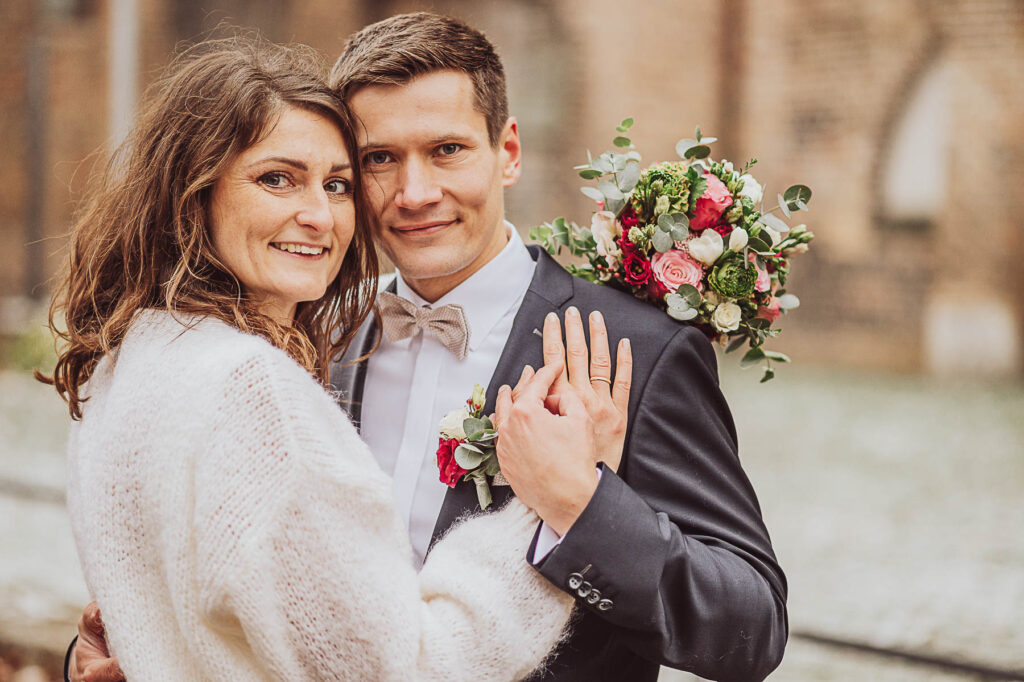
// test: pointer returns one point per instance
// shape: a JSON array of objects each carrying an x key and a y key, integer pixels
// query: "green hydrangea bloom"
[{"x": 733, "y": 278}]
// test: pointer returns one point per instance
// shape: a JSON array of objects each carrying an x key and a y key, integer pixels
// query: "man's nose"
[
  {"x": 315, "y": 212},
  {"x": 417, "y": 186}
]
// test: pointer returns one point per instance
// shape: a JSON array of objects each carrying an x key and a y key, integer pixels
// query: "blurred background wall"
[
  {"x": 904, "y": 116},
  {"x": 889, "y": 460}
]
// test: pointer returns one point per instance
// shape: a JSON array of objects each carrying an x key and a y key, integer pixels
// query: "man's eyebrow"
[
  {"x": 439, "y": 139},
  {"x": 299, "y": 164}
]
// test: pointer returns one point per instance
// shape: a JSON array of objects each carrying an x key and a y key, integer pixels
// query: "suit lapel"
[{"x": 550, "y": 290}]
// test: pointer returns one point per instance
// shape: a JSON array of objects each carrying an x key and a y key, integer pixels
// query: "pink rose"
[
  {"x": 771, "y": 310},
  {"x": 673, "y": 268},
  {"x": 709, "y": 207},
  {"x": 764, "y": 280}
]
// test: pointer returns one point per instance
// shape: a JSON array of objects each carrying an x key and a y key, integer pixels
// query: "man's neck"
[{"x": 433, "y": 289}]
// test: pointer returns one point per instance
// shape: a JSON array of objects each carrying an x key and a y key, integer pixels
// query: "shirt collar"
[{"x": 490, "y": 292}]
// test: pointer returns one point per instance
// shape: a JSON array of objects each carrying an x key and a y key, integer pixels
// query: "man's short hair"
[{"x": 402, "y": 47}]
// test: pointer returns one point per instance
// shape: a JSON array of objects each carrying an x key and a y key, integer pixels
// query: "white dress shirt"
[{"x": 411, "y": 384}]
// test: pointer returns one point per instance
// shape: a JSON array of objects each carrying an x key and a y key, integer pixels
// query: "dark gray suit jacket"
[{"x": 675, "y": 540}]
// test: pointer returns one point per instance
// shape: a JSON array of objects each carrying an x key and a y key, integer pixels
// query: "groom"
[{"x": 668, "y": 557}]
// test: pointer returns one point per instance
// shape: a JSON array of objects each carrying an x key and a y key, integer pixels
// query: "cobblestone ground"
[{"x": 895, "y": 505}]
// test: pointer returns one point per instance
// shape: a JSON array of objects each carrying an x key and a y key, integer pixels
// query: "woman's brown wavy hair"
[{"x": 142, "y": 238}]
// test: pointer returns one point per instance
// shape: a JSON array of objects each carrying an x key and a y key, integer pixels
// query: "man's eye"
[
  {"x": 378, "y": 157},
  {"x": 338, "y": 186},
  {"x": 450, "y": 148},
  {"x": 274, "y": 179}
]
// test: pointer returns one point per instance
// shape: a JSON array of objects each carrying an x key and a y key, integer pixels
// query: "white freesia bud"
[
  {"x": 788, "y": 302},
  {"x": 661, "y": 205},
  {"x": 707, "y": 247},
  {"x": 605, "y": 231},
  {"x": 726, "y": 317},
  {"x": 727, "y": 166},
  {"x": 751, "y": 188},
  {"x": 451, "y": 423},
  {"x": 738, "y": 239}
]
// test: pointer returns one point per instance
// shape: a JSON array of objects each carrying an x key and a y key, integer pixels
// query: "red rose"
[
  {"x": 450, "y": 470},
  {"x": 637, "y": 268}
]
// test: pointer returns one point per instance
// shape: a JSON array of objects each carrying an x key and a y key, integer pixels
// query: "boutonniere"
[{"x": 467, "y": 448}]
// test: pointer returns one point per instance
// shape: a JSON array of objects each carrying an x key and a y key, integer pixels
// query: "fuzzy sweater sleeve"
[{"x": 299, "y": 546}]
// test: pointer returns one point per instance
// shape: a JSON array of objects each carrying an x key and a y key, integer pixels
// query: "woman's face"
[{"x": 282, "y": 214}]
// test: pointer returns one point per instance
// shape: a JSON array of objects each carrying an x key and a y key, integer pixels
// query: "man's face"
[{"x": 433, "y": 178}]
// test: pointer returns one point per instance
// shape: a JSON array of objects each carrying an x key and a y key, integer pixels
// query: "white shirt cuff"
[{"x": 548, "y": 539}]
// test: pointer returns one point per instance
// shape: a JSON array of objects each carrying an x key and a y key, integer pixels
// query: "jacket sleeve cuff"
[{"x": 596, "y": 560}]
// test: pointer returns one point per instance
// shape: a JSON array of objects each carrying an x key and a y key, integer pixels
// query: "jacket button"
[
  {"x": 584, "y": 589},
  {"x": 594, "y": 596},
  {"x": 575, "y": 580},
  {"x": 605, "y": 605}
]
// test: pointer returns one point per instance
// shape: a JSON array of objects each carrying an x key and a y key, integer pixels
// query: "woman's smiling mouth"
[{"x": 298, "y": 249}]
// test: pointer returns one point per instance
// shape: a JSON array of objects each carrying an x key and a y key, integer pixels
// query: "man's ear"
[{"x": 511, "y": 152}]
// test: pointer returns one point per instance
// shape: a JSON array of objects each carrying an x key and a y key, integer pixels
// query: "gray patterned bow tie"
[{"x": 401, "y": 319}]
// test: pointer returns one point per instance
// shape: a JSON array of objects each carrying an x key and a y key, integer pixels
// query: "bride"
[{"x": 230, "y": 523}]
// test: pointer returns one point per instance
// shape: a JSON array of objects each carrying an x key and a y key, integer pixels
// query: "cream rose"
[
  {"x": 707, "y": 247},
  {"x": 751, "y": 189},
  {"x": 606, "y": 231},
  {"x": 451, "y": 423},
  {"x": 726, "y": 317}
]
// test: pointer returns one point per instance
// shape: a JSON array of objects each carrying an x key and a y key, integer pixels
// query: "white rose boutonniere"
[{"x": 451, "y": 423}]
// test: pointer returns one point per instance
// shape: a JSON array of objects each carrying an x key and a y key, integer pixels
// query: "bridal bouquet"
[
  {"x": 467, "y": 447},
  {"x": 692, "y": 237}
]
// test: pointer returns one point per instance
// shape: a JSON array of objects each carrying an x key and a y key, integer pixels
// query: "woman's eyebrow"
[{"x": 300, "y": 165}]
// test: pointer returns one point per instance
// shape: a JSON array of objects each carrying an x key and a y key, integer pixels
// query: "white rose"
[
  {"x": 738, "y": 239},
  {"x": 726, "y": 317},
  {"x": 451, "y": 423},
  {"x": 751, "y": 189},
  {"x": 605, "y": 231},
  {"x": 707, "y": 247}
]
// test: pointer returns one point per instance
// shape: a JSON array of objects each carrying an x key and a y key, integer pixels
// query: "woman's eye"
[
  {"x": 274, "y": 179},
  {"x": 450, "y": 148},
  {"x": 378, "y": 157},
  {"x": 338, "y": 186}
]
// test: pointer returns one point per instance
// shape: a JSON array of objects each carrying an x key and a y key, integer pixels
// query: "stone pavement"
[{"x": 895, "y": 503}]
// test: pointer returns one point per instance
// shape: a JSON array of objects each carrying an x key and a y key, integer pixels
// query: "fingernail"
[
  {"x": 625, "y": 343},
  {"x": 572, "y": 311},
  {"x": 551, "y": 317},
  {"x": 596, "y": 316},
  {"x": 528, "y": 367}
]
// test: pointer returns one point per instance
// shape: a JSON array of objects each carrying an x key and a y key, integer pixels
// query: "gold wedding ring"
[{"x": 604, "y": 379}]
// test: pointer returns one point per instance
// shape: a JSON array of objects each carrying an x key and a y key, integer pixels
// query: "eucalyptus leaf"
[
  {"x": 609, "y": 190},
  {"x": 674, "y": 300},
  {"x": 614, "y": 205},
  {"x": 679, "y": 233},
  {"x": 708, "y": 140},
  {"x": 492, "y": 467},
  {"x": 627, "y": 123},
  {"x": 665, "y": 222},
  {"x": 778, "y": 357},
  {"x": 592, "y": 193},
  {"x": 758, "y": 244},
  {"x": 468, "y": 457},
  {"x": 662, "y": 241},
  {"x": 699, "y": 152},
  {"x": 621, "y": 141},
  {"x": 769, "y": 374},
  {"x": 798, "y": 193},
  {"x": 689, "y": 293},
  {"x": 774, "y": 222},
  {"x": 603, "y": 164},
  {"x": 696, "y": 133},
  {"x": 784, "y": 206},
  {"x": 590, "y": 174},
  {"x": 629, "y": 176},
  {"x": 735, "y": 344},
  {"x": 759, "y": 323},
  {"x": 683, "y": 145},
  {"x": 788, "y": 302},
  {"x": 682, "y": 315},
  {"x": 634, "y": 155},
  {"x": 753, "y": 357}
]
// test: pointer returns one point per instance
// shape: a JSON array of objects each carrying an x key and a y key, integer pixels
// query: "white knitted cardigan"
[{"x": 233, "y": 526}]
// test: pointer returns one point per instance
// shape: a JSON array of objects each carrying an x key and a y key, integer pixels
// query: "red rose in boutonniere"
[{"x": 466, "y": 448}]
